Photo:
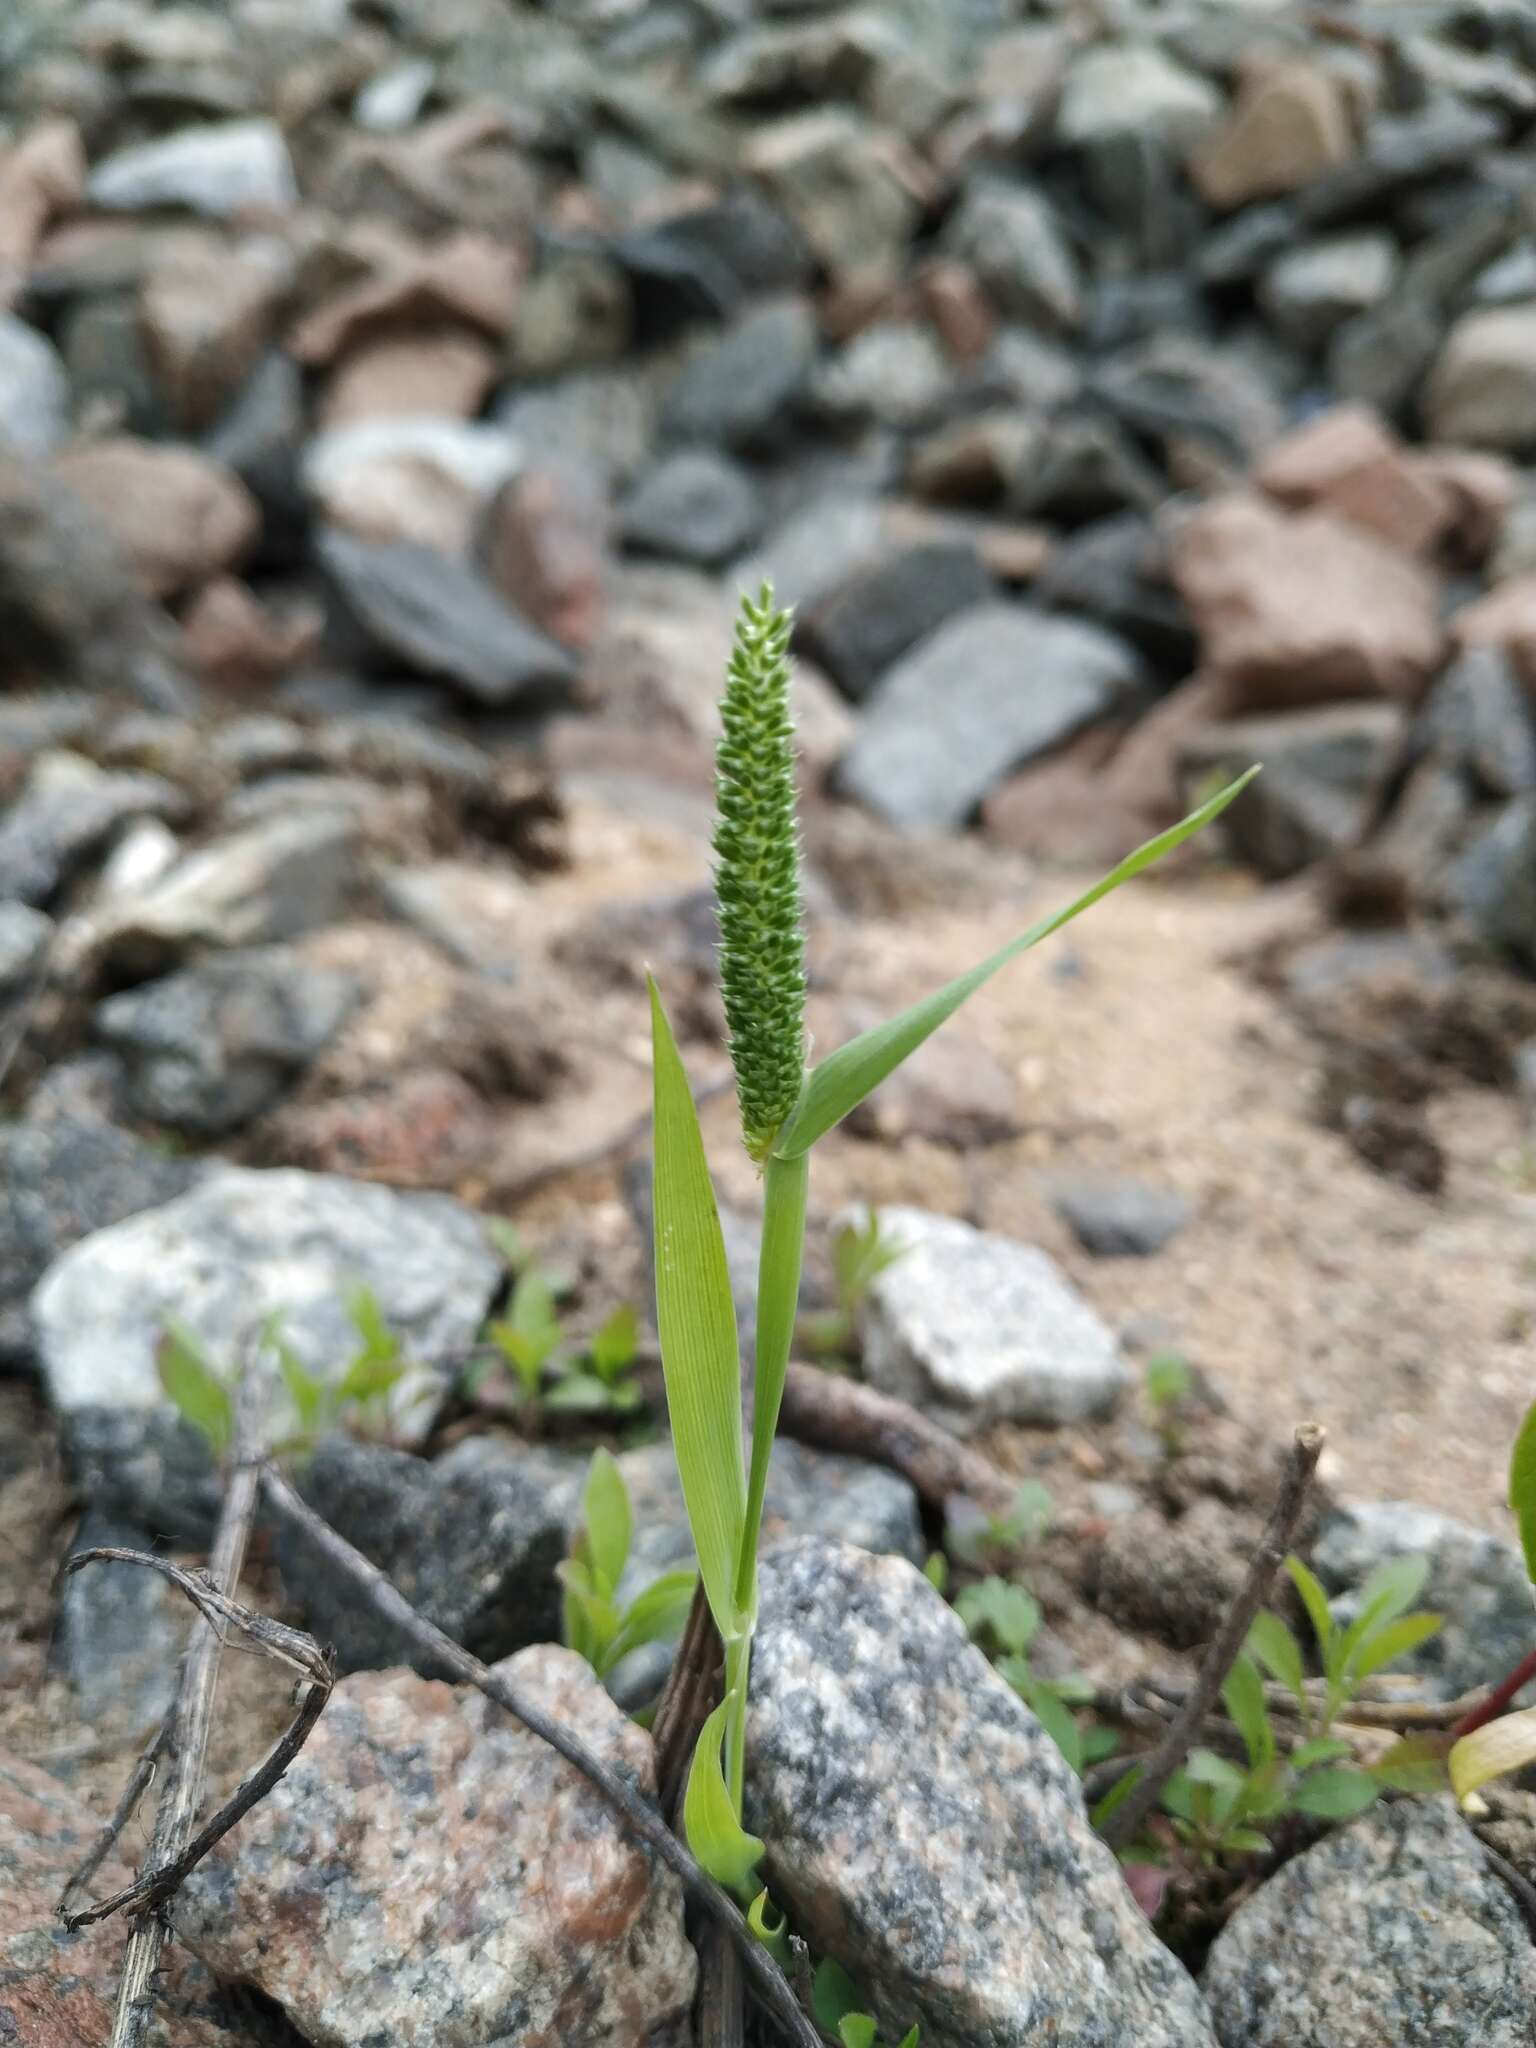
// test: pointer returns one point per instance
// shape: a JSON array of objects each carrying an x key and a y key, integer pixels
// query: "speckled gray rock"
[
  {"x": 978, "y": 1328},
  {"x": 925, "y": 1830},
  {"x": 740, "y": 392},
  {"x": 430, "y": 1875},
  {"x": 1120, "y": 1217},
  {"x": 1392, "y": 1933},
  {"x": 694, "y": 506},
  {"x": 119, "y": 1631},
  {"x": 1009, "y": 233},
  {"x": 209, "y": 1048},
  {"x": 1476, "y": 1581},
  {"x": 991, "y": 689},
  {"x": 889, "y": 602},
  {"x": 472, "y": 1541},
  {"x": 242, "y": 1244}
]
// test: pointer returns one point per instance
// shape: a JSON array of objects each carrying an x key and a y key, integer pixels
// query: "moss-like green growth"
[{"x": 757, "y": 874}]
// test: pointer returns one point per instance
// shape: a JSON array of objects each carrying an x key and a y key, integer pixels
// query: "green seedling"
[
  {"x": 1383, "y": 1630},
  {"x": 1166, "y": 1389},
  {"x": 861, "y": 1252},
  {"x": 786, "y": 1107},
  {"x": 596, "y": 1626},
  {"x": 552, "y": 1372},
  {"x": 1004, "y": 1618},
  {"x": 992, "y": 1543},
  {"x": 360, "y": 1395},
  {"x": 1491, "y": 1742},
  {"x": 836, "y": 2004}
]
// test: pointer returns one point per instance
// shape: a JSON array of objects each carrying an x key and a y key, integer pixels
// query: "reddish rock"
[
  {"x": 1506, "y": 618},
  {"x": 958, "y": 309},
  {"x": 445, "y": 370},
  {"x": 1289, "y": 124},
  {"x": 1301, "y": 610},
  {"x": 1480, "y": 488},
  {"x": 481, "y": 1891},
  {"x": 545, "y": 547},
  {"x": 41, "y": 178},
  {"x": 1345, "y": 461},
  {"x": 239, "y": 646},
  {"x": 58, "y": 1990},
  {"x": 426, "y": 1129},
  {"x": 208, "y": 311},
  {"x": 179, "y": 515},
  {"x": 468, "y": 278}
]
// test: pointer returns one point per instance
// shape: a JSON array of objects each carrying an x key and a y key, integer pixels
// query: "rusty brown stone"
[{"x": 1345, "y": 461}]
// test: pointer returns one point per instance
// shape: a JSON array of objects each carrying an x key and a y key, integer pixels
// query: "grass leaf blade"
[
  {"x": 716, "y": 1837},
  {"x": 1522, "y": 1488},
  {"x": 696, "y": 1320},
  {"x": 846, "y": 1077},
  {"x": 778, "y": 1296}
]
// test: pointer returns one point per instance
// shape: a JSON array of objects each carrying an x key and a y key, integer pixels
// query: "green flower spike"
[{"x": 757, "y": 875}]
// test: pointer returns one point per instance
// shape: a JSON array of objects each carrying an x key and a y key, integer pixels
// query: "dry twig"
[
  {"x": 637, "y": 1813},
  {"x": 844, "y": 1415},
  {"x": 272, "y": 1639},
  {"x": 1158, "y": 1766}
]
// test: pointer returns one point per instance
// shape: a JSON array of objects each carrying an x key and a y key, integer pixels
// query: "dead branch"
[
  {"x": 691, "y": 1693},
  {"x": 844, "y": 1415},
  {"x": 1153, "y": 1701},
  {"x": 191, "y": 1715},
  {"x": 641, "y": 1818},
  {"x": 140, "y": 1779},
  {"x": 288, "y": 1646},
  {"x": 1158, "y": 1766}
]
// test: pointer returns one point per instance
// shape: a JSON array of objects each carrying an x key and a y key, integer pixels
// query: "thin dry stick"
[
  {"x": 1160, "y": 1696},
  {"x": 643, "y": 1820},
  {"x": 139, "y": 1782},
  {"x": 192, "y": 1716},
  {"x": 1159, "y": 1765},
  {"x": 288, "y": 1646},
  {"x": 844, "y": 1415},
  {"x": 692, "y": 1690}
]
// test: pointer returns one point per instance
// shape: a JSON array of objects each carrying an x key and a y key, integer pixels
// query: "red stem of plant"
[{"x": 1503, "y": 1693}]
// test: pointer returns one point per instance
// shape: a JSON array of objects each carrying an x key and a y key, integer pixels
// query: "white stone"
[
  {"x": 34, "y": 390},
  {"x": 975, "y": 1328},
  {"x": 217, "y": 169}
]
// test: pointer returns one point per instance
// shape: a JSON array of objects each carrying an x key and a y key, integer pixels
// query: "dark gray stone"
[
  {"x": 472, "y": 1546},
  {"x": 260, "y": 438},
  {"x": 242, "y": 1245},
  {"x": 888, "y": 603},
  {"x": 819, "y": 545},
  {"x": 67, "y": 811},
  {"x": 119, "y": 1631},
  {"x": 1011, "y": 237},
  {"x": 1082, "y": 467},
  {"x": 1479, "y": 717},
  {"x": 708, "y": 260},
  {"x": 1179, "y": 387},
  {"x": 1120, "y": 1218},
  {"x": 1495, "y": 882},
  {"x": 25, "y": 936},
  {"x": 1400, "y": 150},
  {"x": 147, "y": 1467},
  {"x": 60, "y": 1179},
  {"x": 1312, "y": 289},
  {"x": 1323, "y": 771},
  {"x": 694, "y": 506},
  {"x": 974, "y": 1327},
  {"x": 106, "y": 355},
  {"x": 924, "y": 1830},
  {"x": 1394, "y": 1929},
  {"x": 742, "y": 391},
  {"x": 208, "y": 1049},
  {"x": 991, "y": 689},
  {"x": 1244, "y": 246},
  {"x": 1115, "y": 571},
  {"x": 409, "y": 604},
  {"x": 1476, "y": 1581},
  {"x": 894, "y": 374}
]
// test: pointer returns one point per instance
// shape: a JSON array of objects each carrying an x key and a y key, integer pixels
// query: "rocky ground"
[{"x": 393, "y": 400}]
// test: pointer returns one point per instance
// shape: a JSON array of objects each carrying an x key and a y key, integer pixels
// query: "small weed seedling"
[
  {"x": 1490, "y": 1742},
  {"x": 1166, "y": 1389},
  {"x": 861, "y": 1252},
  {"x": 1381, "y": 1632},
  {"x": 596, "y": 1627},
  {"x": 786, "y": 1108},
  {"x": 358, "y": 1396},
  {"x": 835, "y": 2002},
  {"x": 1004, "y": 1619},
  {"x": 553, "y": 1372},
  {"x": 996, "y": 1543}
]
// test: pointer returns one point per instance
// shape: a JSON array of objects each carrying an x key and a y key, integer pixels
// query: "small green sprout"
[
  {"x": 595, "y": 1625},
  {"x": 836, "y": 2003},
  {"x": 786, "y": 1108},
  {"x": 991, "y": 1543},
  {"x": 1490, "y": 1743},
  {"x": 551, "y": 1371},
  {"x": 1382, "y": 1631},
  {"x": 1004, "y": 1619},
  {"x": 1166, "y": 1387},
  {"x": 861, "y": 1252}
]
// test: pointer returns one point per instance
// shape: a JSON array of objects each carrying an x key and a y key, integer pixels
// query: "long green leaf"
[
  {"x": 605, "y": 1506},
  {"x": 778, "y": 1297},
  {"x": 1315, "y": 1600},
  {"x": 198, "y": 1392},
  {"x": 843, "y": 1080},
  {"x": 696, "y": 1321},
  {"x": 1243, "y": 1694},
  {"x": 1522, "y": 1488},
  {"x": 716, "y": 1837},
  {"x": 1271, "y": 1641},
  {"x": 1395, "y": 1640}
]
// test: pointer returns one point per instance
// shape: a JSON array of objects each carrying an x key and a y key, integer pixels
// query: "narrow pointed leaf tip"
[
  {"x": 855, "y": 1070},
  {"x": 757, "y": 874}
]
